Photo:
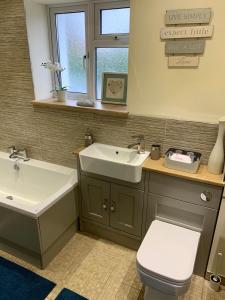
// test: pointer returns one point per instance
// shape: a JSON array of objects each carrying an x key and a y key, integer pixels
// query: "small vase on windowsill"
[
  {"x": 61, "y": 95},
  {"x": 57, "y": 70}
]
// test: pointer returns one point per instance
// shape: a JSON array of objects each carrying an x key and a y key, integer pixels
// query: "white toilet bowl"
[{"x": 165, "y": 260}]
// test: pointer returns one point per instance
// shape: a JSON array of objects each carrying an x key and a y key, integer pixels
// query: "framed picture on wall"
[{"x": 114, "y": 88}]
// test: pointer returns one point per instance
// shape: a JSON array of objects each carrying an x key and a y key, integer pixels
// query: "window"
[
  {"x": 110, "y": 26},
  {"x": 87, "y": 40}
]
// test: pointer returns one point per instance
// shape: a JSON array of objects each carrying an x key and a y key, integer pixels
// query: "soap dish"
[
  {"x": 182, "y": 160},
  {"x": 86, "y": 102}
]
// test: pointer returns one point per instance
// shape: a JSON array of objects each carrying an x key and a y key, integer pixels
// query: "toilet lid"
[{"x": 168, "y": 251}]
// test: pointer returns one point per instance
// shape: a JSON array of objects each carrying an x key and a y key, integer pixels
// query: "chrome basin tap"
[
  {"x": 140, "y": 143},
  {"x": 19, "y": 154}
]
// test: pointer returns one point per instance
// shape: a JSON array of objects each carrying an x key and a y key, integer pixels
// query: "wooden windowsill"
[{"x": 71, "y": 105}]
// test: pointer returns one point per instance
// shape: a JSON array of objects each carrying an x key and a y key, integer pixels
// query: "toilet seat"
[{"x": 168, "y": 253}]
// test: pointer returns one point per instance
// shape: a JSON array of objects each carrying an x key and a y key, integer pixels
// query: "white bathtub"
[{"x": 35, "y": 186}]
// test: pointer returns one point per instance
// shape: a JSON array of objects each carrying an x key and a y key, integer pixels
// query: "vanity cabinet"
[
  {"x": 122, "y": 212},
  {"x": 116, "y": 206}
]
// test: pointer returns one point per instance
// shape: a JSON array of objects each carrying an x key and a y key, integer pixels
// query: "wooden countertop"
[
  {"x": 71, "y": 105},
  {"x": 202, "y": 175},
  {"x": 157, "y": 166},
  {"x": 77, "y": 151}
]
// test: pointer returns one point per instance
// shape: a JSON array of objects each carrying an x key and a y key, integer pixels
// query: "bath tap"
[
  {"x": 19, "y": 154},
  {"x": 140, "y": 143}
]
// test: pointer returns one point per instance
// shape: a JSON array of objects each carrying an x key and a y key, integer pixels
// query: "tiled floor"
[{"x": 99, "y": 269}]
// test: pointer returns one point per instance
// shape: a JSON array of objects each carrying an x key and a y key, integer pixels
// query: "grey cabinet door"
[
  {"x": 185, "y": 190},
  {"x": 95, "y": 196},
  {"x": 126, "y": 209}
]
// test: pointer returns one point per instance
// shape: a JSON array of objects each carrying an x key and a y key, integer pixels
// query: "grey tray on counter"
[{"x": 182, "y": 166}]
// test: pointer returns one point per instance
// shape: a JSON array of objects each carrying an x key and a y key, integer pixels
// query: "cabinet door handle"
[
  {"x": 206, "y": 196},
  {"x": 113, "y": 207},
  {"x": 104, "y": 205}
]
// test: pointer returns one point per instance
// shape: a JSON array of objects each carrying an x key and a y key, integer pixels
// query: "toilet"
[{"x": 166, "y": 259}]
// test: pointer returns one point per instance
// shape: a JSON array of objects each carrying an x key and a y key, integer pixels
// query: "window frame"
[
  {"x": 93, "y": 40},
  {"x": 122, "y": 37},
  {"x": 53, "y": 11}
]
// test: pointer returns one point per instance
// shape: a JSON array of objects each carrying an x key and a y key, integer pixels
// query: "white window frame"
[
  {"x": 54, "y": 43},
  {"x": 94, "y": 39},
  {"x": 119, "y": 37}
]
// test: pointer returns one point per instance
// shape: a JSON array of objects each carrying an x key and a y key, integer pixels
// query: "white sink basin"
[{"x": 111, "y": 161}]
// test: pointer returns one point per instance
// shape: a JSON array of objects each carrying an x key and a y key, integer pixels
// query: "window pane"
[
  {"x": 115, "y": 21},
  {"x": 110, "y": 60},
  {"x": 72, "y": 48}
]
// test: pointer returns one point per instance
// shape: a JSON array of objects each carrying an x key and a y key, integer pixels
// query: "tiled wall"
[{"x": 52, "y": 135}]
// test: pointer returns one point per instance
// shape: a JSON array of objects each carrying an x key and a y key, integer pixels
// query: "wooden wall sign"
[
  {"x": 183, "y": 61},
  {"x": 188, "y": 16},
  {"x": 185, "y": 47},
  {"x": 186, "y": 32}
]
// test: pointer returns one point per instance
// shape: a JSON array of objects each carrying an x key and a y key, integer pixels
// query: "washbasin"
[{"x": 116, "y": 162}]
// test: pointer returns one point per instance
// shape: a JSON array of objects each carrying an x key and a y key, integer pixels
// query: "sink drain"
[{"x": 9, "y": 197}]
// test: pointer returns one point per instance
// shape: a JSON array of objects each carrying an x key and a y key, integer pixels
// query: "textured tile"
[
  {"x": 119, "y": 132},
  {"x": 152, "y": 128},
  {"x": 91, "y": 276},
  {"x": 114, "y": 250},
  {"x": 131, "y": 277},
  {"x": 127, "y": 292},
  {"x": 9, "y": 7},
  {"x": 195, "y": 290},
  {"x": 191, "y": 135}
]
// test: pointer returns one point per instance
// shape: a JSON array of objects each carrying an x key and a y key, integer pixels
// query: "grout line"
[{"x": 164, "y": 138}]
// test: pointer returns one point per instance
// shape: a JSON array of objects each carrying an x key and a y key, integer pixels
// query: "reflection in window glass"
[
  {"x": 109, "y": 60},
  {"x": 72, "y": 48},
  {"x": 115, "y": 21}
]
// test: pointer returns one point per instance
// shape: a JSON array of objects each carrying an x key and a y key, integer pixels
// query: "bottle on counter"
[
  {"x": 155, "y": 152},
  {"x": 88, "y": 138},
  {"x": 216, "y": 158}
]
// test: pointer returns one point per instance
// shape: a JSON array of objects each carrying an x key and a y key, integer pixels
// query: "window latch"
[{"x": 84, "y": 60}]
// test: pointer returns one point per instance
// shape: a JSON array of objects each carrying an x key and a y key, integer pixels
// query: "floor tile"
[
  {"x": 101, "y": 270},
  {"x": 209, "y": 294}
]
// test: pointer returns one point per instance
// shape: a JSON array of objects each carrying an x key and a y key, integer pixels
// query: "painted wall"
[
  {"x": 196, "y": 94},
  {"x": 38, "y": 38}
]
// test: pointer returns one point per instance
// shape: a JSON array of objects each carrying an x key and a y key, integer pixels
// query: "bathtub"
[
  {"x": 38, "y": 208},
  {"x": 33, "y": 186}
]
